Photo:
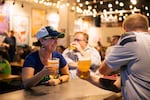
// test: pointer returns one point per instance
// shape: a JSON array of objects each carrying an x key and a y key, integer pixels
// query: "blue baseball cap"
[{"x": 49, "y": 32}]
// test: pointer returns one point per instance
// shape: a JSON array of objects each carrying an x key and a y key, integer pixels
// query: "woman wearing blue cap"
[{"x": 35, "y": 70}]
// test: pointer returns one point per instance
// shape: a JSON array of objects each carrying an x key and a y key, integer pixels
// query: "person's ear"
[{"x": 124, "y": 30}]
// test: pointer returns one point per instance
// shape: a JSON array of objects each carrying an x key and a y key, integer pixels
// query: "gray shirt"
[{"x": 132, "y": 53}]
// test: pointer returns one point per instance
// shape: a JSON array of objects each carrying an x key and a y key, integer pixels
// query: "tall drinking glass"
[
  {"x": 83, "y": 67},
  {"x": 53, "y": 65}
]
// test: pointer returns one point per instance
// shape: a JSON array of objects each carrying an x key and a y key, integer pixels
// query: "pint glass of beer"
[
  {"x": 71, "y": 47},
  {"x": 83, "y": 67},
  {"x": 53, "y": 65}
]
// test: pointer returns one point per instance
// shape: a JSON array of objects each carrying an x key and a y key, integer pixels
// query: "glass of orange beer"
[
  {"x": 71, "y": 47},
  {"x": 83, "y": 67},
  {"x": 53, "y": 65}
]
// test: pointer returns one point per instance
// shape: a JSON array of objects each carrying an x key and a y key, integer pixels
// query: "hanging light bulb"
[
  {"x": 2, "y": 1},
  {"x": 101, "y": 2},
  {"x": 134, "y": 2},
  {"x": 22, "y": 5},
  {"x": 14, "y": 2}
]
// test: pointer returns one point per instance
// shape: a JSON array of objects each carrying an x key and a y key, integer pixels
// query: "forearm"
[
  {"x": 30, "y": 82},
  {"x": 105, "y": 69},
  {"x": 94, "y": 80},
  {"x": 5, "y": 45},
  {"x": 64, "y": 74}
]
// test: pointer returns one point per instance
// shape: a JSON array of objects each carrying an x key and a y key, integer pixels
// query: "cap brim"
[{"x": 61, "y": 35}]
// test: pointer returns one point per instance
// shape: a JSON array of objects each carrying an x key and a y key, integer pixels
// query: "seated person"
[
  {"x": 5, "y": 67},
  {"x": 81, "y": 49},
  {"x": 25, "y": 52},
  {"x": 35, "y": 69}
]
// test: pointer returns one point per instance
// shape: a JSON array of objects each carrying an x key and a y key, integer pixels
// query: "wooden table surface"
[
  {"x": 8, "y": 77},
  {"x": 18, "y": 64},
  {"x": 75, "y": 89}
]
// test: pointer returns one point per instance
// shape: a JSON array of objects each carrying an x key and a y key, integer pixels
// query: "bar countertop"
[
  {"x": 75, "y": 89},
  {"x": 9, "y": 77}
]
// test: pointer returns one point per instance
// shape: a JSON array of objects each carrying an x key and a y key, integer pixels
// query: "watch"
[{"x": 61, "y": 81}]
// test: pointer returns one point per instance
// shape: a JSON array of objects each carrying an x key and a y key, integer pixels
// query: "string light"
[
  {"x": 22, "y": 5},
  {"x": 14, "y": 2},
  {"x": 84, "y": 7}
]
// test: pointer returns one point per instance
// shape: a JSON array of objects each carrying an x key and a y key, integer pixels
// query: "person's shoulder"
[
  {"x": 92, "y": 48},
  {"x": 127, "y": 34},
  {"x": 128, "y": 37},
  {"x": 32, "y": 54}
]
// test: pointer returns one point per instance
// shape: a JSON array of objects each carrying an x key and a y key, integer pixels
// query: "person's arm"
[
  {"x": 73, "y": 65},
  {"x": 64, "y": 74},
  {"x": 5, "y": 45},
  {"x": 29, "y": 79},
  {"x": 94, "y": 79},
  {"x": 105, "y": 69},
  {"x": 80, "y": 49},
  {"x": 63, "y": 78}
]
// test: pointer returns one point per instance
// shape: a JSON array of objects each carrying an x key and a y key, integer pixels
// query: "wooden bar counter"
[
  {"x": 75, "y": 89},
  {"x": 9, "y": 83},
  {"x": 9, "y": 77}
]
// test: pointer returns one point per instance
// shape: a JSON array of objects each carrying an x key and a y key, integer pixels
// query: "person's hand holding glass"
[
  {"x": 72, "y": 47},
  {"x": 75, "y": 46},
  {"x": 53, "y": 65}
]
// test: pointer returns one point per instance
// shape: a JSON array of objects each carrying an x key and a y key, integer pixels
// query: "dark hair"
[
  {"x": 11, "y": 31},
  {"x": 62, "y": 47},
  {"x": 37, "y": 43}
]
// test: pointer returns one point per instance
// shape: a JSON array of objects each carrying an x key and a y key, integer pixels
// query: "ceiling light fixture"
[
  {"x": 22, "y": 5},
  {"x": 14, "y": 2}
]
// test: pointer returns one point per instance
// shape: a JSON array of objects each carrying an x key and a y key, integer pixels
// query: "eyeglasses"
[{"x": 78, "y": 40}]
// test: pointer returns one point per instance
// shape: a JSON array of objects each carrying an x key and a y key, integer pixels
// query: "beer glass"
[
  {"x": 71, "y": 47},
  {"x": 53, "y": 65},
  {"x": 83, "y": 67}
]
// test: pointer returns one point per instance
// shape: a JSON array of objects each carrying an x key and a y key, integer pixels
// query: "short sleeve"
[{"x": 123, "y": 52}]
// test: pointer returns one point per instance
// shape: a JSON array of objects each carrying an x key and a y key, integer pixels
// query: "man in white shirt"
[{"x": 80, "y": 43}]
